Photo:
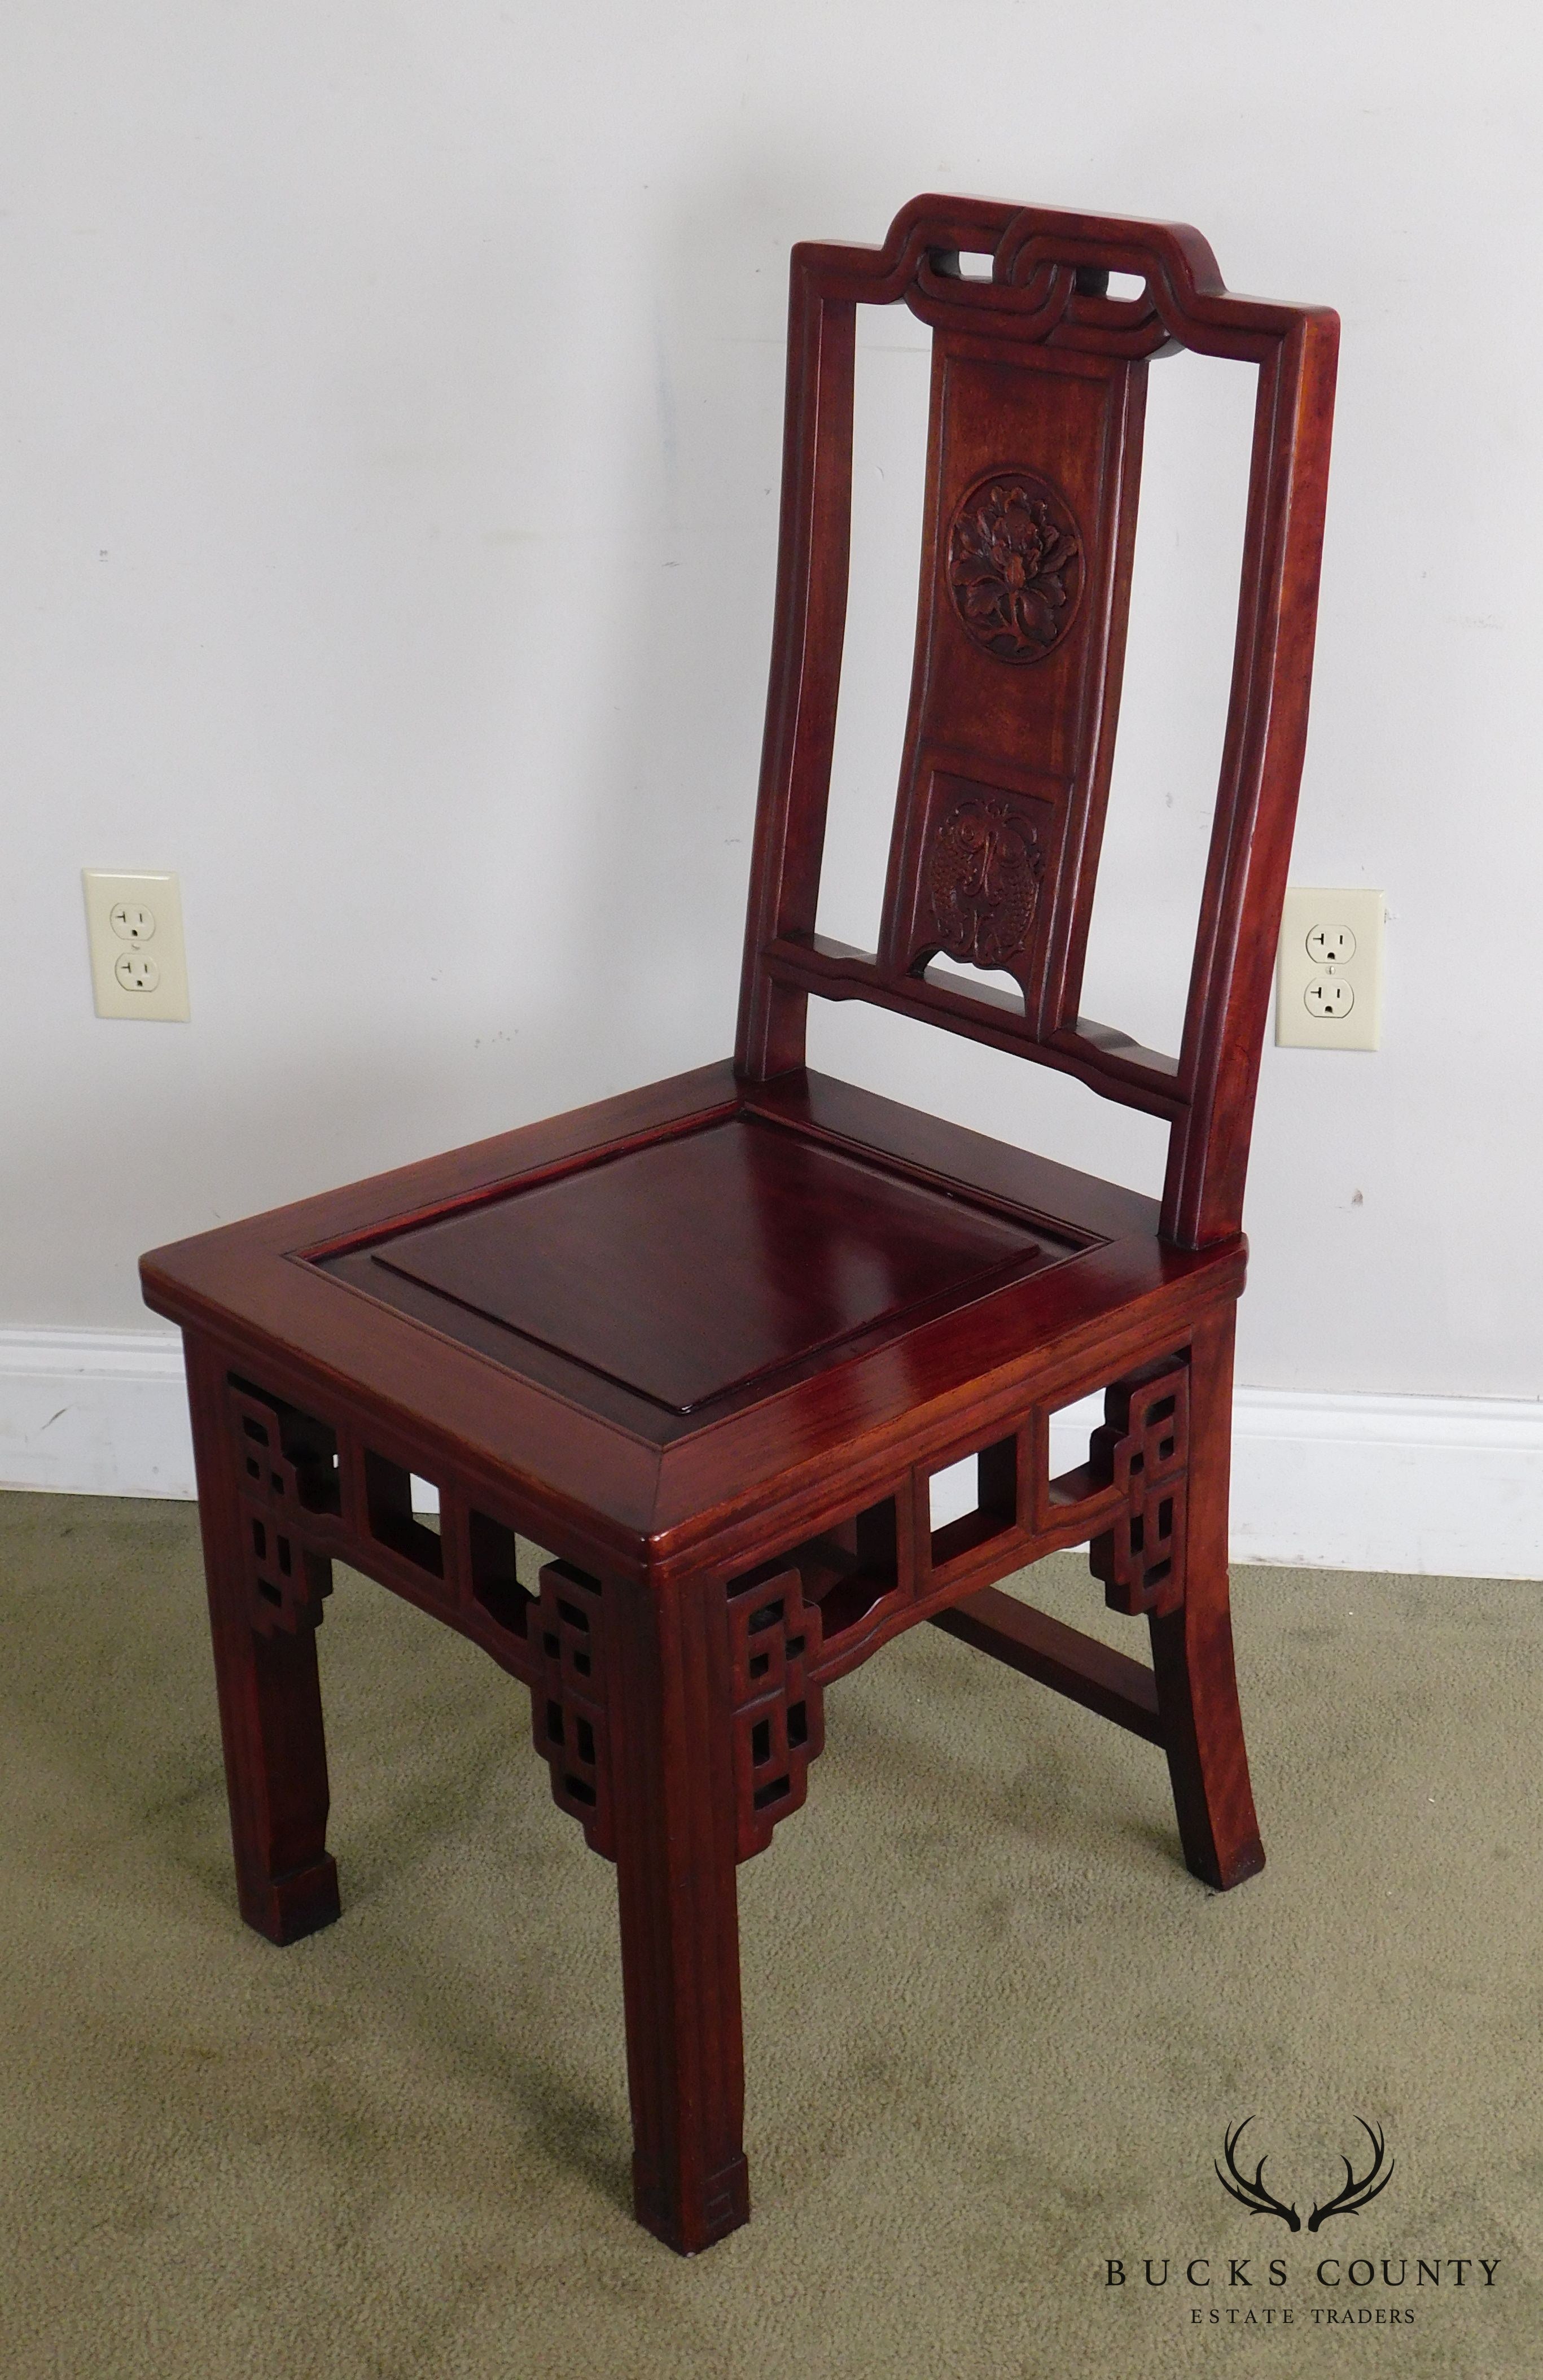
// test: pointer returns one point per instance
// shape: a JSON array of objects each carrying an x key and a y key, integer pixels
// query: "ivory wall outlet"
[
  {"x": 1329, "y": 975},
  {"x": 134, "y": 928}
]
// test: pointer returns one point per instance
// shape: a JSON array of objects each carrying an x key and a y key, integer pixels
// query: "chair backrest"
[{"x": 1033, "y": 465}]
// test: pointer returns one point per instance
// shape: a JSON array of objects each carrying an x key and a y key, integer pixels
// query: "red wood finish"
[
  {"x": 676, "y": 1886},
  {"x": 711, "y": 1340},
  {"x": 739, "y": 1252},
  {"x": 1075, "y": 1665},
  {"x": 269, "y": 1695},
  {"x": 1039, "y": 388}
]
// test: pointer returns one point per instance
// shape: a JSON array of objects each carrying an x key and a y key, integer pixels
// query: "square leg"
[
  {"x": 671, "y": 1756},
  {"x": 270, "y": 1698},
  {"x": 1192, "y": 1645}
]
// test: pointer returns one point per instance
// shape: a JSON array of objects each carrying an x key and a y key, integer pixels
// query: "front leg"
[
  {"x": 673, "y": 1784},
  {"x": 264, "y": 1604}
]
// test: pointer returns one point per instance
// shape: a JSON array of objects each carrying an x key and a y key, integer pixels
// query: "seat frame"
[{"x": 713, "y": 1571}]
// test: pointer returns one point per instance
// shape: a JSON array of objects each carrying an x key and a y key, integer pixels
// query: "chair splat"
[{"x": 1033, "y": 482}]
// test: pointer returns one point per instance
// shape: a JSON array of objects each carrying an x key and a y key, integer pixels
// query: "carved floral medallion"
[
  {"x": 1015, "y": 565},
  {"x": 983, "y": 875}
]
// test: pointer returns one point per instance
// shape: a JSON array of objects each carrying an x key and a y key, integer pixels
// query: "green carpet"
[{"x": 995, "y": 2033}]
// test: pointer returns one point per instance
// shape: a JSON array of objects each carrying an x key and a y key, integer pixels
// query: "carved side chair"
[{"x": 710, "y": 1341}]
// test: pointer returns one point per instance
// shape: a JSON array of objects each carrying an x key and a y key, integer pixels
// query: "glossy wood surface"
[
  {"x": 639, "y": 1484},
  {"x": 1038, "y": 378},
  {"x": 710, "y": 1261},
  {"x": 711, "y": 1342}
]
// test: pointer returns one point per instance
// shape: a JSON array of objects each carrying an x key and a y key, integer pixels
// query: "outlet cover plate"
[
  {"x": 158, "y": 953},
  {"x": 1362, "y": 911}
]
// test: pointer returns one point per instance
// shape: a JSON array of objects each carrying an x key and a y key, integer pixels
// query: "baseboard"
[
  {"x": 1443, "y": 1486},
  {"x": 94, "y": 1412},
  {"x": 1446, "y": 1485}
]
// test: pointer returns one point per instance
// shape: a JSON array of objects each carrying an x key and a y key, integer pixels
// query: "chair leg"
[
  {"x": 1192, "y": 1646},
  {"x": 673, "y": 1773},
  {"x": 270, "y": 1701}
]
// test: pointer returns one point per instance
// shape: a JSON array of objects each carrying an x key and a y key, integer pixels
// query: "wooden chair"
[{"x": 711, "y": 1340}]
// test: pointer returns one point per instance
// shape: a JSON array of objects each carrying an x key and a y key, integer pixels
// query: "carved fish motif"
[{"x": 984, "y": 878}]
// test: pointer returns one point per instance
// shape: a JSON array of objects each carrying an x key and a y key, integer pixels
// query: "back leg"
[{"x": 1192, "y": 1645}]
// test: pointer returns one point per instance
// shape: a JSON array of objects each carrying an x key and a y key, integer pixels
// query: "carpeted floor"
[{"x": 995, "y": 2034}]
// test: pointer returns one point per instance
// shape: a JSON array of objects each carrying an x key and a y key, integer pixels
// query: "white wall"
[{"x": 390, "y": 405}]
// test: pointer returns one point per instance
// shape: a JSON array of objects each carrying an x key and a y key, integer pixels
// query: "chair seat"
[
  {"x": 727, "y": 1256},
  {"x": 647, "y": 1307}
]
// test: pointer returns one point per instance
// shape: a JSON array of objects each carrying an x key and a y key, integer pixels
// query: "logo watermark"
[{"x": 1358, "y": 2291}]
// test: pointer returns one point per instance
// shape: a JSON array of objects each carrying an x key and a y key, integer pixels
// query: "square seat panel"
[
  {"x": 641, "y": 1312},
  {"x": 722, "y": 1260}
]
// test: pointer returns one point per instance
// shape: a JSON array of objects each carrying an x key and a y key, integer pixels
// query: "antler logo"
[{"x": 1357, "y": 2193}]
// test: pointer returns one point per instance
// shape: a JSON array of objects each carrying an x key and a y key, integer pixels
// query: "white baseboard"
[
  {"x": 1443, "y": 1486},
  {"x": 94, "y": 1412},
  {"x": 1451, "y": 1487}
]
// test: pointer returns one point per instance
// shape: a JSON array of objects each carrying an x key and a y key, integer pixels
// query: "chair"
[{"x": 710, "y": 1341}]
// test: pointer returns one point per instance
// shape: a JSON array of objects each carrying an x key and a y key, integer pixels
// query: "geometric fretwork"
[
  {"x": 568, "y": 1700},
  {"x": 304, "y": 1499},
  {"x": 296, "y": 1516},
  {"x": 287, "y": 1468},
  {"x": 1143, "y": 1449},
  {"x": 806, "y": 1617},
  {"x": 779, "y": 1723}
]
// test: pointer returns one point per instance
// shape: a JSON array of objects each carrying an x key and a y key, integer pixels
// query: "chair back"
[{"x": 1033, "y": 479}]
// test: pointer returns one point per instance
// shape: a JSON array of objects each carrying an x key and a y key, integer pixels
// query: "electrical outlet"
[
  {"x": 1327, "y": 995},
  {"x": 134, "y": 928},
  {"x": 1329, "y": 976}
]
